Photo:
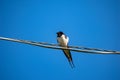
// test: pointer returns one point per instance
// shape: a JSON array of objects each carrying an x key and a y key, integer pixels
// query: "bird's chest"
[{"x": 62, "y": 41}]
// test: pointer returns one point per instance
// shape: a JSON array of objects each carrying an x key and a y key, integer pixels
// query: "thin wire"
[{"x": 56, "y": 46}]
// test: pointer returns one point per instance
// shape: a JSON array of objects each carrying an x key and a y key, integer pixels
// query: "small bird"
[{"x": 63, "y": 40}]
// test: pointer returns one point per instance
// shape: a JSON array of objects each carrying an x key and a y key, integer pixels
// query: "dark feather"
[{"x": 69, "y": 57}]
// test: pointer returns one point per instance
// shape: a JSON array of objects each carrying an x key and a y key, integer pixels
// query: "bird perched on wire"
[{"x": 63, "y": 40}]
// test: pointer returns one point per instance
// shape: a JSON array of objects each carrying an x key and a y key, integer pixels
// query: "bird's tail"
[
  {"x": 69, "y": 57},
  {"x": 71, "y": 63}
]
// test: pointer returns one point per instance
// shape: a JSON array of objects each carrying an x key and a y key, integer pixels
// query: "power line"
[{"x": 56, "y": 46}]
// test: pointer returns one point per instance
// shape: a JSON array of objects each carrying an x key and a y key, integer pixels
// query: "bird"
[{"x": 63, "y": 40}]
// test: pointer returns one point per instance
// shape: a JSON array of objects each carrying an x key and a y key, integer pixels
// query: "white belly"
[{"x": 63, "y": 41}]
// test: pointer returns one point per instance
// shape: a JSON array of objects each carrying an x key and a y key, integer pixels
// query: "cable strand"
[{"x": 56, "y": 46}]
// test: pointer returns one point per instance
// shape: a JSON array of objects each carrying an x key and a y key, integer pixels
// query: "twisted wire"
[{"x": 56, "y": 46}]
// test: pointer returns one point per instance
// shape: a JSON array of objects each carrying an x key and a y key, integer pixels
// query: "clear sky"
[{"x": 90, "y": 23}]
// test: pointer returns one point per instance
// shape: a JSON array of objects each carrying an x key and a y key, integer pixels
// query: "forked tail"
[{"x": 71, "y": 64}]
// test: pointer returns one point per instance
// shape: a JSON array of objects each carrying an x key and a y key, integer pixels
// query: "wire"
[{"x": 56, "y": 46}]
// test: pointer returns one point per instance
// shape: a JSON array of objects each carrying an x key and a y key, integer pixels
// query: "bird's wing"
[{"x": 69, "y": 57}]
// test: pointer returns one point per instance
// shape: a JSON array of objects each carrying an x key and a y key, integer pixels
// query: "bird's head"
[{"x": 59, "y": 34}]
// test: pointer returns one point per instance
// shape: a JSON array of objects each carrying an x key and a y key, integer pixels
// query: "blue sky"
[{"x": 90, "y": 23}]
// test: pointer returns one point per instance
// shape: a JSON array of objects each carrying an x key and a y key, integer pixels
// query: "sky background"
[{"x": 89, "y": 23}]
